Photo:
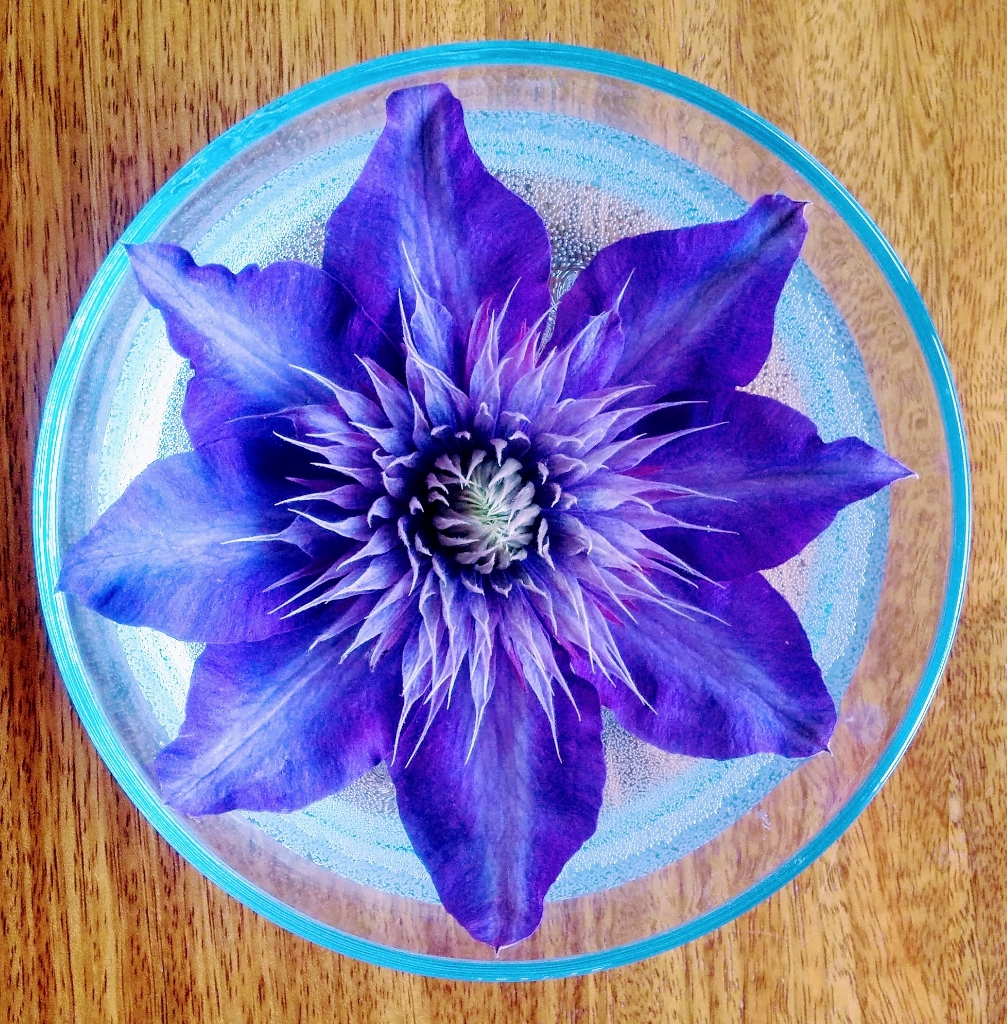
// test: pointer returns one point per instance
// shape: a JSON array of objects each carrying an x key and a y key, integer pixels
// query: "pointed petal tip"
[
  {"x": 509, "y": 933},
  {"x": 141, "y": 250},
  {"x": 433, "y": 92},
  {"x": 816, "y": 737},
  {"x": 778, "y": 214},
  {"x": 184, "y": 794},
  {"x": 795, "y": 204},
  {"x": 74, "y": 579},
  {"x": 175, "y": 790},
  {"x": 782, "y": 202},
  {"x": 884, "y": 469},
  {"x": 142, "y": 254},
  {"x": 137, "y": 253},
  {"x": 819, "y": 744},
  {"x": 159, "y": 268},
  {"x": 899, "y": 471},
  {"x": 63, "y": 582}
]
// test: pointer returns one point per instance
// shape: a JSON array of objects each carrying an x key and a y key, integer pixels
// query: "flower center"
[{"x": 485, "y": 513}]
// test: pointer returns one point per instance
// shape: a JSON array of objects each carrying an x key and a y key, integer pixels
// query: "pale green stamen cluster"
[{"x": 484, "y": 514}]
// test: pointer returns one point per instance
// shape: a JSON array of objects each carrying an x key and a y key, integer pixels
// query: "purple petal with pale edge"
[
  {"x": 243, "y": 332},
  {"x": 275, "y": 726},
  {"x": 158, "y": 556},
  {"x": 494, "y": 833},
  {"x": 699, "y": 306},
  {"x": 468, "y": 237},
  {"x": 723, "y": 689},
  {"x": 598, "y": 349},
  {"x": 784, "y": 485}
]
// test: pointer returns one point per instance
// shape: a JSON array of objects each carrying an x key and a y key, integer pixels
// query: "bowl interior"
[{"x": 680, "y": 841}]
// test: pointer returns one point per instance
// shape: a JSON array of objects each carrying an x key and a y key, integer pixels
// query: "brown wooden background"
[{"x": 904, "y": 919}]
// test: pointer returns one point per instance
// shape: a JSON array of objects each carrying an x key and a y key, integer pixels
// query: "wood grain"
[{"x": 903, "y": 919}]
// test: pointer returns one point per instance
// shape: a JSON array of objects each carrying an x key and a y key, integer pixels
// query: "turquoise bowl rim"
[{"x": 196, "y": 172}]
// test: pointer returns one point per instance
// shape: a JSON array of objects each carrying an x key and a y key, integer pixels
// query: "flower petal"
[
  {"x": 699, "y": 302},
  {"x": 425, "y": 198},
  {"x": 496, "y": 831},
  {"x": 774, "y": 484},
  {"x": 164, "y": 555},
  {"x": 246, "y": 334},
  {"x": 597, "y": 351},
  {"x": 276, "y": 725},
  {"x": 739, "y": 679}
]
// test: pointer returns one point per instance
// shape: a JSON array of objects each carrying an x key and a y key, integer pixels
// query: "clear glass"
[{"x": 920, "y": 570}]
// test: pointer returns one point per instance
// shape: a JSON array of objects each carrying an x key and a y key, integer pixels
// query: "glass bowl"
[{"x": 603, "y": 146}]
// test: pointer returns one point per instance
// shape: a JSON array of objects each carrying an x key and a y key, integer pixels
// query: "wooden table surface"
[{"x": 903, "y": 919}]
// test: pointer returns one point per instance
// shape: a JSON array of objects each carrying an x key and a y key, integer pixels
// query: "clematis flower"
[{"x": 431, "y": 521}]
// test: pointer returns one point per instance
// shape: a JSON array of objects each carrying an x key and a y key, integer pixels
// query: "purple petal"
[
  {"x": 275, "y": 725},
  {"x": 597, "y": 351},
  {"x": 245, "y": 333},
  {"x": 742, "y": 683},
  {"x": 425, "y": 194},
  {"x": 775, "y": 484},
  {"x": 160, "y": 556},
  {"x": 496, "y": 831},
  {"x": 699, "y": 302}
]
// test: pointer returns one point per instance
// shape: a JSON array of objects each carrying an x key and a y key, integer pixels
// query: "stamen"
[{"x": 489, "y": 517}]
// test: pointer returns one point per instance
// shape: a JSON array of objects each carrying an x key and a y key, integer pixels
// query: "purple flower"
[{"x": 421, "y": 525}]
